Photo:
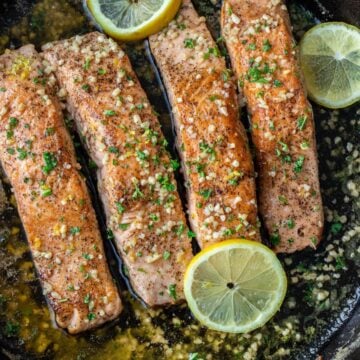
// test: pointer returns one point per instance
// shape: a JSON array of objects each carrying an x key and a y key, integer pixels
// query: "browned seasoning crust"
[
  {"x": 211, "y": 141},
  {"x": 135, "y": 172},
  {"x": 262, "y": 51},
  {"x": 53, "y": 202}
]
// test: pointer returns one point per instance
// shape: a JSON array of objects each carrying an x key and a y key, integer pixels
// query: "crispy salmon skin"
[
  {"x": 210, "y": 138},
  {"x": 262, "y": 51},
  {"x": 135, "y": 172},
  {"x": 53, "y": 202}
]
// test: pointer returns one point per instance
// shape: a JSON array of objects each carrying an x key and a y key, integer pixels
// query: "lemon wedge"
[
  {"x": 130, "y": 20},
  {"x": 330, "y": 60},
  {"x": 235, "y": 286}
]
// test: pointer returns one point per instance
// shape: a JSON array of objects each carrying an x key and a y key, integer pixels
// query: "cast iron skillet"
[{"x": 339, "y": 330}]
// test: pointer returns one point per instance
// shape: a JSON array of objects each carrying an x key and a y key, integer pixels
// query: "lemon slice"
[
  {"x": 235, "y": 285},
  {"x": 330, "y": 60},
  {"x": 131, "y": 20}
]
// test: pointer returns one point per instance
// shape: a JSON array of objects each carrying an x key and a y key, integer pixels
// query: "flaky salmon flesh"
[
  {"x": 264, "y": 57},
  {"x": 52, "y": 199},
  {"x": 212, "y": 142},
  {"x": 135, "y": 172}
]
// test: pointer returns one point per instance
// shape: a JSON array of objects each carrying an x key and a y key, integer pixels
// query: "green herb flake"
[
  {"x": 124, "y": 226},
  {"x": 86, "y": 65},
  {"x": 298, "y": 166},
  {"x": 45, "y": 191},
  {"x": 277, "y": 83},
  {"x": 275, "y": 238},
  {"x": 290, "y": 223},
  {"x": 172, "y": 291},
  {"x": 336, "y": 228},
  {"x": 301, "y": 122},
  {"x": 86, "y": 87},
  {"x": 205, "y": 193},
  {"x": 189, "y": 43},
  {"x": 283, "y": 200},
  {"x": 266, "y": 45},
  {"x": 75, "y": 230},
  {"x": 166, "y": 255},
  {"x": 109, "y": 112},
  {"x": 50, "y": 162},
  {"x": 120, "y": 208}
]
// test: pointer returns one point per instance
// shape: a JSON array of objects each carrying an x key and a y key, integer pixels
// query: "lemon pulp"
[
  {"x": 330, "y": 60},
  {"x": 235, "y": 285}
]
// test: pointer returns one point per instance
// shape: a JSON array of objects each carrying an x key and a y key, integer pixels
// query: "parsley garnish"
[
  {"x": 206, "y": 193},
  {"x": 189, "y": 43},
  {"x": 50, "y": 162},
  {"x": 172, "y": 291}
]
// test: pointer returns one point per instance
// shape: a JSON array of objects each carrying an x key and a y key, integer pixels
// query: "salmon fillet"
[
  {"x": 135, "y": 172},
  {"x": 263, "y": 55},
  {"x": 53, "y": 202},
  {"x": 211, "y": 140}
]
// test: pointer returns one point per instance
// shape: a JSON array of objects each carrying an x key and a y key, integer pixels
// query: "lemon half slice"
[
  {"x": 235, "y": 286},
  {"x": 330, "y": 60},
  {"x": 131, "y": 20}
]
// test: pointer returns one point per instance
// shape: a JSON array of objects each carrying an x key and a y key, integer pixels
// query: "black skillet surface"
[{"x": 343, "y": 327}]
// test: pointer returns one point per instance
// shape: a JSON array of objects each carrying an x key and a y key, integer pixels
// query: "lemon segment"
[
  {"x": 330, "y": 61},
  {"x": 235, "y": 285},
  {"x": 133, "y": 20}
]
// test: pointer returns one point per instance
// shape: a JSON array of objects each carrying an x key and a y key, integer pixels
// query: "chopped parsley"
[
  {"x": 113, "y": 150},
  {"x": 50, "y": 131},
  {"x": 120, "y": 208},
  {"x": 45, "y": 191},
  {"x": 91, "y": 316},
  {"x": 166, "y": 255},
  {"x": 74, "y": 230},
  {"x": 212, "y": 51},
  {"x": 86, "y": 65},
  {"x": 205, "y": 193},
  {"x": 22, "y": 153},
  {"x": 174, "y": 164},
  {"x": 189, "y": 43},
  {"x": 298, "y": 166},
  {"x": 301, "y": 122},
  {"x": 290, "y": 223},
  {"x": 283, "y": 200},
  {"x": 50, "y": 162},
  {"x": 86, "y": 87},
  {"x": 277, "y": 83},
  {"x": 172, "y": 291},
  {"x": 109, "y": 112},
  {"x": 275, "y": 238},
  {"x": 336, "y": 228},
  {"x": 124, "y": 226},
  {"x": 266, "y": 45}
]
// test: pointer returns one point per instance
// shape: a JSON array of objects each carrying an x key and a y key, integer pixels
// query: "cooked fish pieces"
[
  {"x": 53, "y": 202},
  {"x": 210, "y": 138},
  {"x": 263, "y": 55},
  {"x": 135, "y": 172}
]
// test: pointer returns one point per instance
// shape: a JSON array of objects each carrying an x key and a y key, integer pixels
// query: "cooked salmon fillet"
[
  {"x": 135, "y": 172},
  {"x": 53, "y": 202},
  {"x": 263, "y": 55},
  {"x": 211, "y": 140}
]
